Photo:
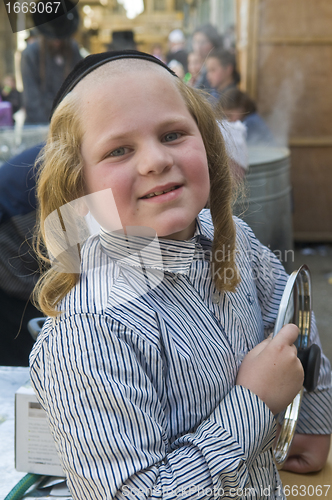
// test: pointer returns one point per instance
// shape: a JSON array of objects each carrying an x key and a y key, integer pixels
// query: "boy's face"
[
  {"x": 217, "y": 74},
  {"x": 141, "y": 139}
]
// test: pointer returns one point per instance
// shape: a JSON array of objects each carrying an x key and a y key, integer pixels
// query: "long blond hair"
[{"x": 60, "y": 181}]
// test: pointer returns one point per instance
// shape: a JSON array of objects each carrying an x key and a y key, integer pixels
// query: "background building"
[{"x": 285, "y": 51}]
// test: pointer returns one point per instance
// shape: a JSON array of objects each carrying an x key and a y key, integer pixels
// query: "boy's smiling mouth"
[{"x": 160, "y": 190}]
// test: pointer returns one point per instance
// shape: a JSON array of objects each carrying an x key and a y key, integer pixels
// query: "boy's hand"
[
  {"x": 273, "y": 371},
  {"x": 308, "y": 453}
]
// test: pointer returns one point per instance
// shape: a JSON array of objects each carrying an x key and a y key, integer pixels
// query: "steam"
[{"x": 287, "y": 98}]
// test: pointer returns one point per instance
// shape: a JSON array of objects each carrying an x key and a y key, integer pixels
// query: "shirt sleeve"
[
  {"x": 103, "y": 389},
  {"x": 316, "y": 407},
  {"x": 271, "y": 278}
]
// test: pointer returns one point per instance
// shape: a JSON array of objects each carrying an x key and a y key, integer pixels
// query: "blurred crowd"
[{"x": 205, "y": 60}]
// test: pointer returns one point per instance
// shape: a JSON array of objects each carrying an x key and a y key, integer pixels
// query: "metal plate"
[{"x": 295, "y": 307}]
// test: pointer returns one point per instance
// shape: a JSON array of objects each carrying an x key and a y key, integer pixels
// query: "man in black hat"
[
  {"x": 46, "y": 62},
  {"x": 122, "y": 40}
]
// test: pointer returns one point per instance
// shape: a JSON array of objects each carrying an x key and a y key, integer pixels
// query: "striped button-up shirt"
[{"x": 137, "y": 373}]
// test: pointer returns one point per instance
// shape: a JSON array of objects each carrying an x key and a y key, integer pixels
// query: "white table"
[{"x": 11, "y": 378}]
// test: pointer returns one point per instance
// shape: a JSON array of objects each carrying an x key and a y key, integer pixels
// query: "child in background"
[
  {"x": 177, "y": 67},
  {"x": 10, "y": 93},
  {"x": 195, "y": 63},
  {"x": 221, "y": 71},
  {"x": 177, "y": 49},
  {"x": 237, "y": 105},
  {"x": 155, "y": 368},
  {"x": 205, "y": 38},
  {"x": 157, "y": 51}
]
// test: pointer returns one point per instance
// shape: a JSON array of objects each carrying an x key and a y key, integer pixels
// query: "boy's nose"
[{"x": 154, "y": 159}]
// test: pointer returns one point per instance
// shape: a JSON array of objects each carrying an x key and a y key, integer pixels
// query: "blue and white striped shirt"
[{"x": 140, "y": 387}]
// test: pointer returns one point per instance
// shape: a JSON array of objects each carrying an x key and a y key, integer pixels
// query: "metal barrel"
[{"x": 266, "y": 205}]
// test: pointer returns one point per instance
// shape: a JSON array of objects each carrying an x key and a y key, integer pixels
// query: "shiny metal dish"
[{"x": 295, "y": 307}]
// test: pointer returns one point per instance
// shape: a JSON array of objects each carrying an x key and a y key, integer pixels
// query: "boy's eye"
[
  {"x": 119, "y": 152},
  {"x": 172, "y": 136}
]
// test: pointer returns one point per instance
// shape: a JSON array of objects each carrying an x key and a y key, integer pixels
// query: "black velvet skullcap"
[{"x": 94, "y": 61}]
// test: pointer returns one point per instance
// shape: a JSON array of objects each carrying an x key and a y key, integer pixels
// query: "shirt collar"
[{"x": 149, "y": 252}]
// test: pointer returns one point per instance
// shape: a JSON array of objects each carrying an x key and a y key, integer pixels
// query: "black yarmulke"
[{"x": 94, "y": 61}]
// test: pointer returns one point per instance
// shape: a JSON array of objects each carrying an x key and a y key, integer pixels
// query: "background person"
[
  {"x": 177, "y": 49},
  {"x": 157, "y": 51},
  {"x": 122, "y": 40},
  {"x": 235, "y": 137},
  {"x": 10, "y": 93},
  {"x": 237, "y": 105},
  {"x": 195, "y": 63},
  {"x": 205, "y": 38},
  {"x": 177, "y": 67},
  {"x": 221, "y": 71},
  {"x": 19, "y": 269},
  {"x": 45, "y": 63}
]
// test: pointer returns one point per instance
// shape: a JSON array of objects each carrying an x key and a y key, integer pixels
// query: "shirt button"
[{"x": 216, "y": 298}]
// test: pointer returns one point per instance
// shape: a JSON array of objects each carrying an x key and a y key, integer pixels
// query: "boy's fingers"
[{"x": 288, "y": 334}]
